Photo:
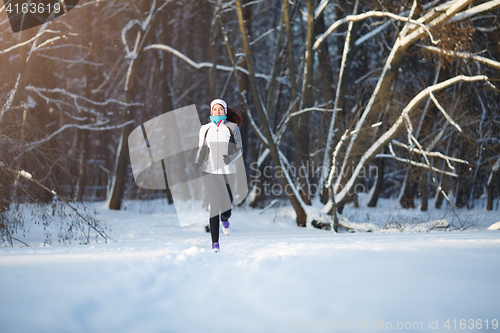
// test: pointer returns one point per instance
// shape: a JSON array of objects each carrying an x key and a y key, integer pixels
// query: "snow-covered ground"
[{"x": 270, "y": 275}]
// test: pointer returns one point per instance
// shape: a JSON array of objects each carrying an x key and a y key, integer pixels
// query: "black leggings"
[{"x": 220, "y": 197}]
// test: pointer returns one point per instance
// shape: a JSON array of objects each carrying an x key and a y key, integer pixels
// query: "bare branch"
[
  {"x": 296, "y": 113},
  {"x": 48, "y": 41},
  {"x": 363, "y": 16},
  {"x": 32, "y": 145},
  {"x": 463, "y": 55},
  {"x": 387, "y": 23},
  {"x": 320, "y": 8},
  {"x": 432, "y": 154},
  {"x": 38, "y": 91},
  {"x": 389, "y": 135},
  {"x": 334, "y": 158},
  {"x": 484, "y": 7},
  {"x": 12, "y": 93},
  {"x": 329, "y": 137},
  {"x": 18, "y": 45},
  {"x": 452, "y": 10},
  {"x": 414, "y": 163},
  {"x": 28, "y": 176},
  {"x": 284, "y": 121},
  {"x": 256, "y": 128},
  {"x": 199, "y": 65},
  {"x": 434, "y": 178},
  {"x": 284, "y": 162},
  {"x": 444, "y": 113}
]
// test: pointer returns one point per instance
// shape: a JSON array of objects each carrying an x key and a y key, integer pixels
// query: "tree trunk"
[
  {"x": 301, "y": 215},
  {"x": 122, "y": 155},
  {"x": 408, "y": 195},
  {"x": 463, "y": 184},
  {"x": 271, "y": 90},
  {"x": 301, "y": 139},
  {"x": 82, "y": 165},
  {"x": 328, "y": 92},
  {"x": 212, "y": 72},
  {"x": 259, "y": 185},
  {"x": 492, "y": 180},
  {"x": 339, "y": 98},
  {"x": 379, "y": 163},
  {"x": 122, "y": 158},
  {"x": 424, "y": 190},
  {"x": 491, "y": 186}
]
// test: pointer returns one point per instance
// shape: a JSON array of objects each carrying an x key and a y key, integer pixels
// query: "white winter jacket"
[{"x": 215, "y": 141}]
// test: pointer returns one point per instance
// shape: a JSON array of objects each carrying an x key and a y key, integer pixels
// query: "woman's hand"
[{"x": 226, "y": 159}]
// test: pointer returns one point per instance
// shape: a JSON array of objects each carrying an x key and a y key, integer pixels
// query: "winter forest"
[
  {"x": 352, "y": 111},
  {"x": 395, "y": 100}
]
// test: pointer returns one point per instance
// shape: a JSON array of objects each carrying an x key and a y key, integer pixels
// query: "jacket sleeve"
[
  {"x": 238, "y": 148},
  {"x": 202, "y": 154}
]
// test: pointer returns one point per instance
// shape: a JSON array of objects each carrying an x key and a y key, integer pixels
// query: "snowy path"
[{"x": 269, "y": 277}]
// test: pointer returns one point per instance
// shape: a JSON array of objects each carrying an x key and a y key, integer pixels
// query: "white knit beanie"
[{"x": 218, "y": 101}]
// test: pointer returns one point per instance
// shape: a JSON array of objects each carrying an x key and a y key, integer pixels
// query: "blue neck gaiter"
[{"x": 216, "y": 119}]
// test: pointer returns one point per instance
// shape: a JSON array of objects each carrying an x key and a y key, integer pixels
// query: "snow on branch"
[
  {"x": 372, "y": 33},
  {"x": 262, "y": 36},
  {"x": 432, "y": 154},
  {"x": 70, "y": 61},
  {"x": 452, "y": 10},
  {"x": 453, "y": 123},
  {"x": 387, "y": 23},
  {"x": 132, "y": 60},
  {"x": 484, "y": 7},
  {"x": 143, "y": 25},
  {"x": 257, "y": 131},
  {"x": 354, "y": 18},
  {"x": 90, "y": 223},
  {"x": 320, "y": 8},
  {"x": 18, "y": 45},
  {"x": 494, "y": 169},
  {"x": 496, "y": 166},
  {"x": 284, "y": 121},
  {"x": 199, "y": 65},
  {"x": 8, "y": 103},
  {"x": 463, "y": 55},
  {"x": 285, "y": 166},
  {"x": 47, "y": 42},
  {"x": 230, "y": 5},
  {"x": 12, "y": 93},
  {"x": 393, "y": 130},
  {"x": 334, "y": 157},
  {"x": 95, "y": 127},
  {"x": 75, "y": 97},
  {"x": 414, "y": 163},
  {"x": 434, "y": 178},
  {"x": 296, "y": 113},
  {"x": 435, "y": 11},
  {"x": 263, "y": 157}
]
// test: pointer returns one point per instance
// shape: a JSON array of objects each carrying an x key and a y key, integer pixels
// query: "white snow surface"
[{"x": 270, "y": 276}]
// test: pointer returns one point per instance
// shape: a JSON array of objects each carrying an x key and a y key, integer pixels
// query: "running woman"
[{"x": 219, "y": 146}]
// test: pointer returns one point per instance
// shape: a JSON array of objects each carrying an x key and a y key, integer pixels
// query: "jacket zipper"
[{"x": 218, "y": 147}]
